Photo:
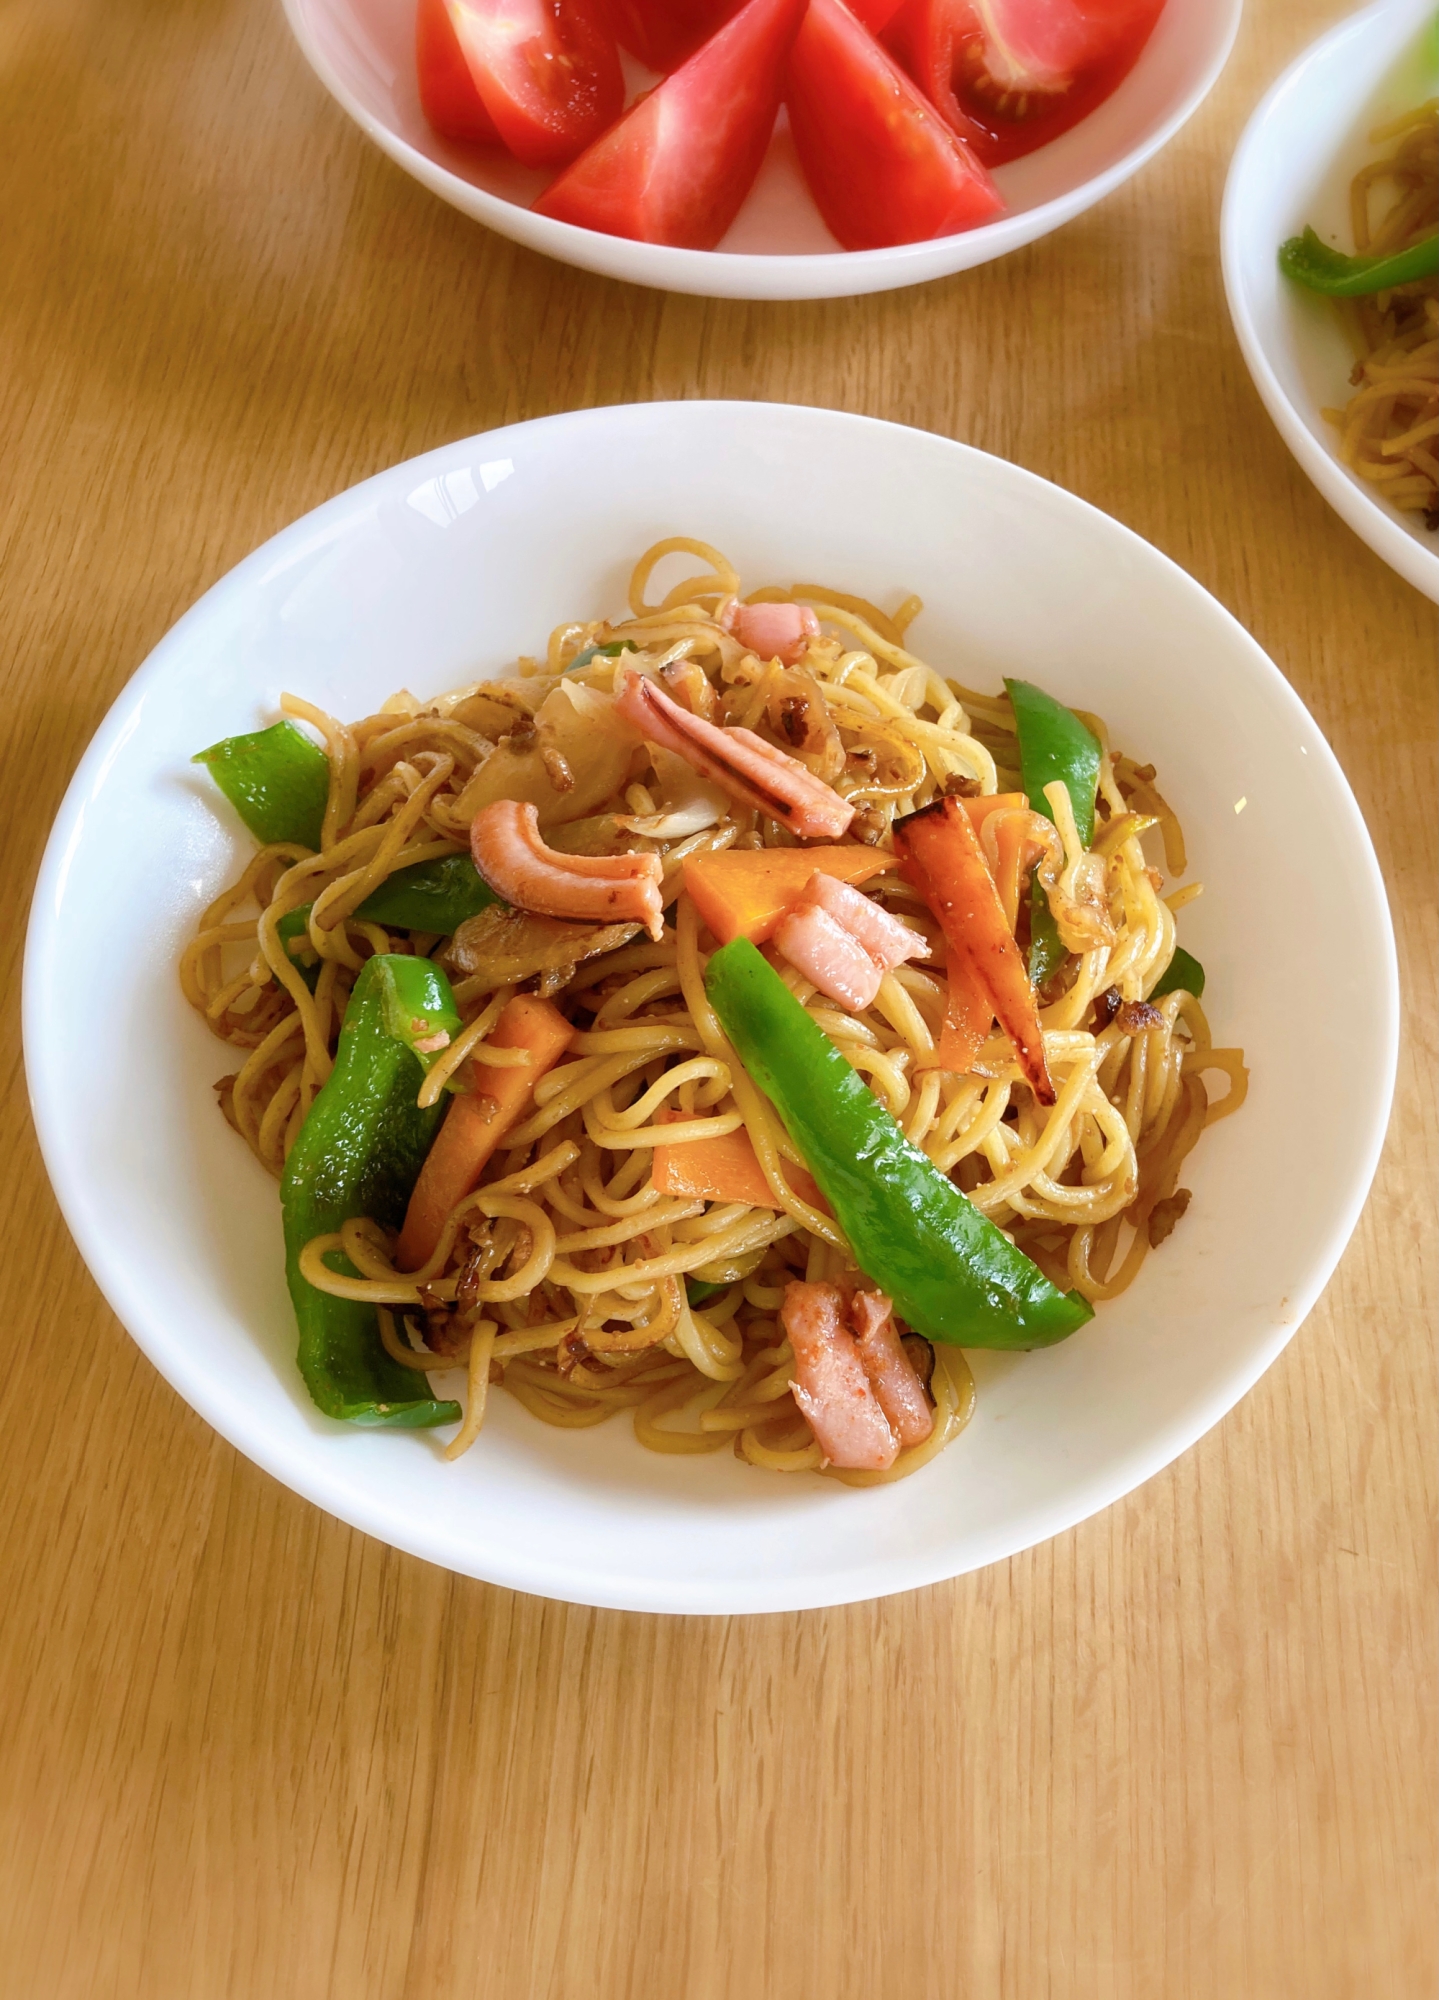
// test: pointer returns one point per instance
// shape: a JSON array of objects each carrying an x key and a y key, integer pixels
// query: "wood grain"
[{"x": 1184, "y": 1751}]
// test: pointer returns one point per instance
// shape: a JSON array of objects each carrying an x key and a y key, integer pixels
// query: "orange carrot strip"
[
  {"x": 968, "y": 1013},
  {"x": 1009, "y": 844},
  {"x": 940, "y": 855},
  {"x": 744, "y": 892},
  {"x": 967, "y": 1018},
  {"x": 726, "y": 1169},
  {"x": 979, "y": 809},
  {"x": 1018, "y": 851},
  {"x": 496, "y": 1101},
  {"x": 1012, "y": 859}
]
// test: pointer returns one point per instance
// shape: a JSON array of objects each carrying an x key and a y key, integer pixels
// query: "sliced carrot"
[
  {"x": 478, "y": 1120},
  {"x": 969, "y": 1014},
  {"x": 967, "y": 1018},
  {"x": 726, "y": 1169},
  {"x": 940, "y": 855},
  {"x": 979, "y": 809},
  {"x": 1013, "y": 858},
  {"x": 1009, "y": 854},
  {"x": 743, "y": 892}
]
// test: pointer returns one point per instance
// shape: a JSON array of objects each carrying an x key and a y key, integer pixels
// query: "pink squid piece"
[
  {"x": 739, "y": 762},
  {"x": 898, "y": 1389},
  {"x": 888, "y": 941},
  {"x": 830, "y": 1383},
  {"x": 843, "y": 943},
  {"x": 773, "y": 631},
  {"x": 828, "y": 956},
  {"x": 507, "y": 850}
]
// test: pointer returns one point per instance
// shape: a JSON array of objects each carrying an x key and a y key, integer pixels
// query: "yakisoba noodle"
[
  {"x": 1389, "y": 429},
  {"x": 569, "y": 1265}
]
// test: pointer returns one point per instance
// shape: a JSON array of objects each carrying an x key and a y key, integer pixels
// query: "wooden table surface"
[{"x": 1184, "y": 1751}]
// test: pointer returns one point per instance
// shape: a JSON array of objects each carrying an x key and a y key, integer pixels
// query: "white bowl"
[
  {"x": 455, "y": 563},
  {"x": 1294, "y": 164},
  {"x": 778, "y": 248}
]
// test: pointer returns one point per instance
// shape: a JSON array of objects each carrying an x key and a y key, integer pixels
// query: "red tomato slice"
[
  {"x": 680, "y": 162},
  {"x": 547, "y": 72},
  {"x": 875, "y": 14},
  {"x": 663, "y": 33},
  {"x": 881, "y": 163},
  {"x": 1010, "y": 75},
  {"x": 448, "y": 96}
]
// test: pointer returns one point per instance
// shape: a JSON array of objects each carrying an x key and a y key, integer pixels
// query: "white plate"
[
  {"x": 362, "y": 51},
  {"x": 1300, "y": 151},
  {"x": 455, "y": 563}
]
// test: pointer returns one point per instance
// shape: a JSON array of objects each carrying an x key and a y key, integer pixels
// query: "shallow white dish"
[
  {"x": 455, "y": 563},
  {"x": 1300, "y": 151},
  {"x": 362, "y": 51}
]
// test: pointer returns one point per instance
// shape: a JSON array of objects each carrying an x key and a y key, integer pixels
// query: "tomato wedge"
[
  {"x": 448, "y": 96},
  {"x": 1010, "y": 75},
  {"x": 875, "y": 14},
  {"x": 679, "y": 163},
  {"x": 546, "y": 72},
  {"x": 881, "y": 163},
  {"x": 662, "y": 33}
]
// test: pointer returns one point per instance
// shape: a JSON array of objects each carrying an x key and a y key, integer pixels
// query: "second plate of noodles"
[
  {"x": 722, "y": 1019},
  {"x": 1386, "y": 295},
  {"x": 1328, "y": 234}
]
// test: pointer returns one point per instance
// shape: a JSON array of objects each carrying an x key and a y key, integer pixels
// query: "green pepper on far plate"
[{"x": 1311, "y": 262}]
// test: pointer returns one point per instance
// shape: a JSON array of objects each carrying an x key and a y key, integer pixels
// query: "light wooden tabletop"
[{"x": 1185, "y": 1752}]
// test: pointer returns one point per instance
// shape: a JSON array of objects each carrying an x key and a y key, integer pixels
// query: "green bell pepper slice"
[
  {"x": 359, "y": 1152},
  {"x": 433, "y": 896},
  {"x": 1183, "y": 974},
  {"x": 1046, "y": 947},
  {"x": 1053, "y": 744},
  {"x": 292, "y": 929},
  {"x": 277, "y": 780},
  {"x": 1312, "y": 263},
  {"x": 609, "y": 651},
  {"x": 950, "y": 1272}
]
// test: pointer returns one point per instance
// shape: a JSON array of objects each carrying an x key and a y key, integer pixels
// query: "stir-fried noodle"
[
  {"x": 563, "y": 1275},
  {"x": 1389, "y": 428}
]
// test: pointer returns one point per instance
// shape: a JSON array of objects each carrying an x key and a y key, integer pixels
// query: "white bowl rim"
[
  {"x": 1345, "y": 492},
  {"x": 748, "y": 275},
  {"x": 309, "y": 1475}
]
